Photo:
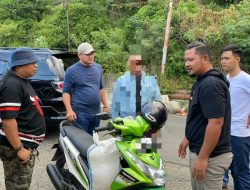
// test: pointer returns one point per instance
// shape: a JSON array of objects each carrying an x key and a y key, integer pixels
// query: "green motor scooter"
[{"x": 127, "y": 160}]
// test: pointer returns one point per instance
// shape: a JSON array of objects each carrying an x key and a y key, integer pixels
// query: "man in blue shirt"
[
  {"x": 83, "y": 90},
  {"x": 133, "y": 89}
]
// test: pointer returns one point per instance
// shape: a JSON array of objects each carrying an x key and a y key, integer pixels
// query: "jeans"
[
  {"x": 240, "y": 166},
  {"x": 87, "y": 122}
]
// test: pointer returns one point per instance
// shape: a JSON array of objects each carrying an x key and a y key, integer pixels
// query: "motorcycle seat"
[{"x": 79, "y": 138}]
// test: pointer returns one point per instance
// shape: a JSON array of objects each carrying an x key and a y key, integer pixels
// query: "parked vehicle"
[
  {"x": 47, "y": 82},
  {"x": 83, "y": 162}
]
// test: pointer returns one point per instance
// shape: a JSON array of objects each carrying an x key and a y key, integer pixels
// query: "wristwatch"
[{"x": 18, "y": 148}]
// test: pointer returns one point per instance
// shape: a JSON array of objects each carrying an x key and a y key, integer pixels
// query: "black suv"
[{"x": 47, "y": 82}]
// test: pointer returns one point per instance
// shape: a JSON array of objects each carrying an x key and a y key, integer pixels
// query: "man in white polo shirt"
[{"x": 240, "y": 104}]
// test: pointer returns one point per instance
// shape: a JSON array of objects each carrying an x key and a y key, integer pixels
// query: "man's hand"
[
  {"x": 199, "y": 168},
  {"x": 182, "y": 148},
  {"x": 105, "y": 109},
  {"x": 71, "y": 116},
  {"x": 24, "y": 154}
]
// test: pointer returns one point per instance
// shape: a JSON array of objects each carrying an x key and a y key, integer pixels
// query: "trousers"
[
  {"x": 240, "y": 166},
  {"x": 87, "y": 122},
  {"x": 17, "y": 175},
  {"x": 214, "y": 173}
]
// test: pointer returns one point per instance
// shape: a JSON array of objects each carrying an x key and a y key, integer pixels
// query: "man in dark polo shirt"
[
  {"x": 23, "y": 125},
  {"x": 83, "y": 90},
  {"x": 207, "y": 130}
]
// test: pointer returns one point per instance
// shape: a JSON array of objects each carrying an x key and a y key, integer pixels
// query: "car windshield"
[
  {"x": 49, "y": 67},
  {"x": 3, "y": 64}
]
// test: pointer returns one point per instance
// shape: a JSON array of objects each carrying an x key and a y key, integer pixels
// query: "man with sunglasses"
[
  {"x": 83, "y": 90},
  {"x": 133, "y": 89}
]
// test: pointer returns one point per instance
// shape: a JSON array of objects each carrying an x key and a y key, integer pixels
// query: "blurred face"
[
  {"x": 229, "y": 61},
  {"x": 87, "y": 59},
  {"x": 26, "y": 71},
  {"x": 194, "y": 63},
  {"x": 135, "y": 63}
]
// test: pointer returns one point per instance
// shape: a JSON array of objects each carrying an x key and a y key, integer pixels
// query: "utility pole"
[
  {"x": 167, "y": 31},
  {"x": 68, "y": 28}
]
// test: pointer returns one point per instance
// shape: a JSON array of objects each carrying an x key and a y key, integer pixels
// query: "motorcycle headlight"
[{"x": 157, "y": 175}]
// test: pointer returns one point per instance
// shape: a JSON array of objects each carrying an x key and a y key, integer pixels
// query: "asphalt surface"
[{"x": 177, "y": 169}]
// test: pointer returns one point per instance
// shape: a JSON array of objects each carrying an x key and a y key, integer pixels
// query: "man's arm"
[
  {"x": 104, "y": 100},
  {"x": 212, "y": 135},
  {"x": 11, "y": 131},
  {"x": 71, "y": 116},
  {"x": 211, "y": 138}
]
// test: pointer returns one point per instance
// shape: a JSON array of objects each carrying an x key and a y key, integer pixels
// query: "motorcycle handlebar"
[{"x": 107, "y": 127}]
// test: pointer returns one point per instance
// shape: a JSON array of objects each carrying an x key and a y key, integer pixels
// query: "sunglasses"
[{"x": 137, "y": 62}]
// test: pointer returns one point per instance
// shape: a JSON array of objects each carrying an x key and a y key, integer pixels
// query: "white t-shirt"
[{"x": 240, "y": 104}]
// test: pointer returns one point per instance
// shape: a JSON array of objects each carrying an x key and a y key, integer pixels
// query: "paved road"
[{"x": 177, "y": 169}]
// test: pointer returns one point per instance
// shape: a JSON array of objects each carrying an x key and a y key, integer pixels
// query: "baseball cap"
[
  {"x": 85, "y": 48},
  {"x": 23, "y": 56}
]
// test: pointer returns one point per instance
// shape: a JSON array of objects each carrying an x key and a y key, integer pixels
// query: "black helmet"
[{"x": 155, "y": 113}]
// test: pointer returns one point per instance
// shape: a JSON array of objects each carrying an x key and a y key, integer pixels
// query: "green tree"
[
  {"x": 110, "y": 46},
  {"x": 218, "y": 28},
  {"x": 146, "y": 28},
  {"x": 236, "y": 29},
  {"x": 83, "y": 21},
  {"x": 117, "y": 27},
  {"x": 17, "y": 19},
  {"x": 24, "y": 9}
]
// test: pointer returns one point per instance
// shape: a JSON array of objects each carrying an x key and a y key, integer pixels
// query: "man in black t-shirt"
[
  {"x": 23, "y": 124},
  {"x": 207, "y": 130}
]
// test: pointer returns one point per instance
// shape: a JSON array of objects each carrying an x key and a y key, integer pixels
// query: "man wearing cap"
[
  {"x": 23, "y": 125},
  {"x": 83, "y": 90},
  {"x": 133, "y": 89}
]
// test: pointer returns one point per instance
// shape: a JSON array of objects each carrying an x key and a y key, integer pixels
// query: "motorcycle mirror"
[{"x": 103, "y": 115}]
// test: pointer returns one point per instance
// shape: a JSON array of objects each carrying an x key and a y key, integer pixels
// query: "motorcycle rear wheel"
[{"x": 70, "y": 182}]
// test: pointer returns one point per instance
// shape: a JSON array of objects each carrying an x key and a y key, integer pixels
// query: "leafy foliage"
[
  {"x": 24, "y": 9},
  {"x": 117, "y": 27},
  {"x": 110, "y": 49},
  {"x": 172, "y": 84}
]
